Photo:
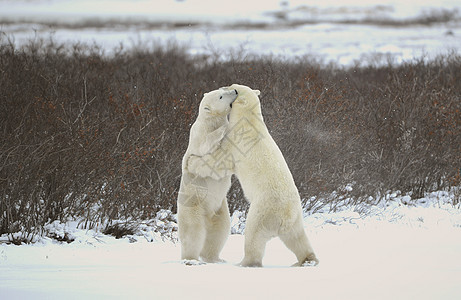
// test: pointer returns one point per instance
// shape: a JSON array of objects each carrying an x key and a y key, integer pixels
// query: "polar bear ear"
[{"x": 257, "y": 92}]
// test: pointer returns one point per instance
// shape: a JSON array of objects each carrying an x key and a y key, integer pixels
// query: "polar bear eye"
[
  {"x": 220, "y": 97},
  {"x": 207, "y": 108}
]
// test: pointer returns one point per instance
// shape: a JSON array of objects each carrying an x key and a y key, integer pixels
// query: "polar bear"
[
  {"x": 203, "y": 215},
  {"x": 249, "y": 151}
]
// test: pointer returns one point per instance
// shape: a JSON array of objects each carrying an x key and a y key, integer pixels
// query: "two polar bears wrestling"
[{"x": 240, "y": 144}]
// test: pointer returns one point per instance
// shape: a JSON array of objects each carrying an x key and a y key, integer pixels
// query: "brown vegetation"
[{"x": 100, "y": 138}]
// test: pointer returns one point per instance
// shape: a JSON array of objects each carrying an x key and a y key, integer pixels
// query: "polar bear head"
[
  {"x": 247, "y": 100},
  {"x": 216, "y": 104}
]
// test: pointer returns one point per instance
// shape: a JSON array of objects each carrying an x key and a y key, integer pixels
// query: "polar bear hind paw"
[
  {"x": 214, "y": 260},
  {"x": 250, "y": 264},
  {"x": 192, "y": 262},
  {"x": 310, "y": 261}
]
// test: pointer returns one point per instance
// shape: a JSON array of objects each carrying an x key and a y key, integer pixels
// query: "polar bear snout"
[{"x": 236, "y": 94}]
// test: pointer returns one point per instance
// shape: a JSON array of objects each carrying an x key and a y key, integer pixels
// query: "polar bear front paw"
[
  {"x": 195, "y": 165},
  {"x": 204, "y": 168}
]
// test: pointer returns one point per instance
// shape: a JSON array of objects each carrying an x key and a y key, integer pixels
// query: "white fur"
[
  {"x": 256, "y": 160},
  {"x": 203, "y": 215}
]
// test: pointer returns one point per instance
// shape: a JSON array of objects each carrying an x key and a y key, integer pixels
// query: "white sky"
[{"x": 199, "y": 9}]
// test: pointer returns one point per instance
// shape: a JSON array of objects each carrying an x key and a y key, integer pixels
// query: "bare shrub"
[{"x": 100, "y": 138}]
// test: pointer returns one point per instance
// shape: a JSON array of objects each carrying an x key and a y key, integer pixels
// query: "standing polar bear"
[
  {"x": 249, "y": 151},
  {"x": 203, "y": 215}
]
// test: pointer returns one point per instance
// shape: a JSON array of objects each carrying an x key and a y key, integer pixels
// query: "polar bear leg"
[
  {"x": 296, "y": 240},
  {"x": 255, "y": 246},
  {"x": 256, "y": 238},
  {"x": 192, "y": 232},
  {"x": 218, "y": 227}
]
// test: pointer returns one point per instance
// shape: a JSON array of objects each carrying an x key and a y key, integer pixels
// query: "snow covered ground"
[
  {"x": 352, "y": 32},
  {"x": 407, "y": 249}
]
